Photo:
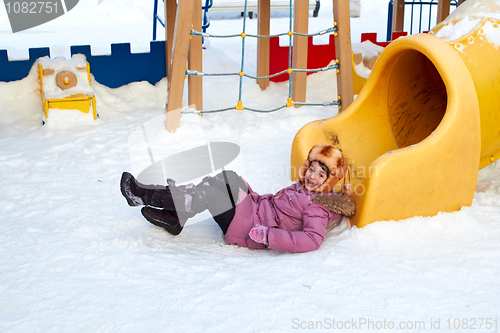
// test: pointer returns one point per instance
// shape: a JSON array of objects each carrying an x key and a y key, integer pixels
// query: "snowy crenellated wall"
[{"x": 117, "y": 69}]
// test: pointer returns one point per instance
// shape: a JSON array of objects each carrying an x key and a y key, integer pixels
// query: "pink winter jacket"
[{"x": 296, "y": 224}]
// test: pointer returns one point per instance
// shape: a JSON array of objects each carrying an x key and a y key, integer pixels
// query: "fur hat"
[{"x": 333, "y": 159}]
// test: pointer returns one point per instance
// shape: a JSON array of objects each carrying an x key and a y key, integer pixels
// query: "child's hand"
[{"x": 259, "y": 234}]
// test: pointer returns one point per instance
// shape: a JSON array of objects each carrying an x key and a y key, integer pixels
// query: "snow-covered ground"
[{"x": 74, "y": 257}]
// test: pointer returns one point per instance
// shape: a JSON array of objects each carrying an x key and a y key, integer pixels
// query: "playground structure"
[
  {"x": 424, "y": 123},
  {"x": 184, "y": 19},
  {"x": 396, "y": 13},
  {"x": 66, "y": 84},
  {"x": 396, "y": 18},
  {"x": 416, "y": 146},
  {"x": 252, "y": 7}
]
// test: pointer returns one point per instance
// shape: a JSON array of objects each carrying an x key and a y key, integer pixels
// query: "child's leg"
[
  {"x": 217, "y": 194},
  {"x": 224, "y": 219},
  {"x": 228, "y": 182},
  {"x": 203, "y": 197},
  {"x": 160, "y": 196}
]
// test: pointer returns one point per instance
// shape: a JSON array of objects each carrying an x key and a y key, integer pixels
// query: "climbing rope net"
[{"x": 242, "y": 74}]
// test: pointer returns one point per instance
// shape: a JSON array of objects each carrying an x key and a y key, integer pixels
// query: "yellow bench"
[{"x": 65, "y": 80}]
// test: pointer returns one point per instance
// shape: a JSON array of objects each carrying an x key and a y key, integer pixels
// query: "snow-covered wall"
[{"x": 119, "y": 68}]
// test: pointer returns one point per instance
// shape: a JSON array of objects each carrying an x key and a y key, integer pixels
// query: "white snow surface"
[
  {"x": 451, "y": 32},
  {"x": 477, "y": 8},
  {"x": 472, "y": 15},
  {"x": 74, "y": 257}
]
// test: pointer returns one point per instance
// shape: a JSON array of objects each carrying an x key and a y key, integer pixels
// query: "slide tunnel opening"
[{"x": 417, "y": 98}]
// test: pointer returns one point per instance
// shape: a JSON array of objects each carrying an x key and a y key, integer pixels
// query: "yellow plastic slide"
[{"x": 424, "y": 123}]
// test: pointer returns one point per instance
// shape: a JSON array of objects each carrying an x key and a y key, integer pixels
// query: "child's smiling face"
[{"x": 315, "y": 177}]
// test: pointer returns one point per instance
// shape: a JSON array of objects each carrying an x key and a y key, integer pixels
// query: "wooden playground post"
[
  {"x": 195, "y": 61},
  {"x": 263, "y": 49},
  {"x": 183, "y": 21},
  {"x": 299, "y": 61},
  {"x": 443, "y": 10},
  {"x": 342, "y": 17},
  {"x": 170, "y": 13},
  {"x": 398, "y": 15}
]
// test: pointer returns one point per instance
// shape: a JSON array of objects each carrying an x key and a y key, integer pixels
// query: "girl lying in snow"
[{"x": 295, "y": 219}]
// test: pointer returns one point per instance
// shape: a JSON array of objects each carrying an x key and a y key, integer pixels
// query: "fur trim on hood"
[
  {"x": 334, "y": 161},
  {"x": 339, "y": 204}
]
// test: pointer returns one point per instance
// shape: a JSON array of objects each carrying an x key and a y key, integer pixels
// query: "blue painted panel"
[
  {"x": 19, "y": 69},
  {"x": 117, "y": 69}
]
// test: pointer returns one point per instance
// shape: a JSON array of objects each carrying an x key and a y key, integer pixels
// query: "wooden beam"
[
  {"x": 180, "y": 51},
  {"x": 264, "y": 21},
  {"x": 398, "y": 15},
  {"x": 301, "y": 25},
  {"x": 443, "y": 10},
  {"x": 459, "y": 2},
  {"x": 170, "y": 12},
  {"x": 195, "y": 61},
  {"x": 341, "y": 16}
]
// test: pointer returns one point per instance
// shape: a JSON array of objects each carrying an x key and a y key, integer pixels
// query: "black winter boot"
[
  {"x": 138, "y": 194},
  {"x": 166, "y": 219},
  {"x": 130, "y": 190}
]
